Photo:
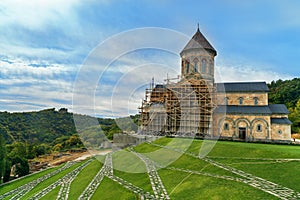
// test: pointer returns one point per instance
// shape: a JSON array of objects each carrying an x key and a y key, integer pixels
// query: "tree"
[
  {"x": 22, "y": 166},
  {"x": 295, "y": 118},
  {"x": 2, "y": 158}
]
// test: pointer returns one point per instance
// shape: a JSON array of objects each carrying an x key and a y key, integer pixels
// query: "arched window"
[
  {"x": 195, "y": 66},
  {"x": 203, "y": 66},
  {"x": 241, "y": 100},
  {"x": 258, "y": 128},
  {"x": 226, "y": 126},
  {"x": 187, "y": 66},
  {"x": 255, "y": 101}
]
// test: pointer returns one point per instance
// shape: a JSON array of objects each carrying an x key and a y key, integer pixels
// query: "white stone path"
[
  {"x": 65, "y": 183},
  {"x": 254, "y": 181},
  {"x": 24, "y": 189},
  {"x": 93, "y": 185},
  {"x": 155, "y": 180},
  {"x": 157, "y": 185},
  {"x": 107, "y": 170}
]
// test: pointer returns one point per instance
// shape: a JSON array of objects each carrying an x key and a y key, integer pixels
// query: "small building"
[{"x": 197, "y": 106}]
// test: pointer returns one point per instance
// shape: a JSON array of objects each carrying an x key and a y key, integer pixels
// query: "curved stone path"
[
  {"x": 249, "y": 179},
  {"x": 93, "y": 185},
  {"x": 107, "y": 170},
  {"x": 155, "y": 180},
  {"x": 157, "y": 185},
  {"x": 260, "y": 183},
  {"x": 65, "y": 183},
  {"x": 24, "y": 189}
]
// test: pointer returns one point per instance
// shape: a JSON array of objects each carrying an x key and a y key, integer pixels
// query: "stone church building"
[{"x": 195, "y": 105}]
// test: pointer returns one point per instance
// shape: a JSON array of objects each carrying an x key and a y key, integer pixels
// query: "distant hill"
[
  {"x": 37, "y": 127},
  {"x": 46, "y": 126}
]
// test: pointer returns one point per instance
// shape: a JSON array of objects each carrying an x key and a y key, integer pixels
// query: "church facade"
[{"x": 195, "y": 105}]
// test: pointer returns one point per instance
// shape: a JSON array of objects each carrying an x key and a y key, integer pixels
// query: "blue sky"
[{"x": 45, "y": 43}]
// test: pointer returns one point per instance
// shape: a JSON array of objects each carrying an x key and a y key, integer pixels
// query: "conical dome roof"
[{"x": 198, "y": 41}]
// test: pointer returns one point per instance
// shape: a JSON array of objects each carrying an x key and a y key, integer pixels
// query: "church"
[{"x": 196, "y": 106}]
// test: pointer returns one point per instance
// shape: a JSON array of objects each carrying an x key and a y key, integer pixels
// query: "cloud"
[
  {"x": 44, "y": 42},
  {"x": 244, "y": 73},
  {"x": 35, "y": 14},
  {"x": 26, "y": 86}
]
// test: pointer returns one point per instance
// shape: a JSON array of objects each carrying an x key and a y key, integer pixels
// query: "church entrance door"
[{"x": 242, "y": 133}]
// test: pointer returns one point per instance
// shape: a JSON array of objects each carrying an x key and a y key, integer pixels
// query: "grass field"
[{"x": 232, "y": 170}]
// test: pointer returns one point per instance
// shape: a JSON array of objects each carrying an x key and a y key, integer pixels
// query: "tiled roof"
[
  {"x": 242, "y": 87},
  {"x": 278, "y": 109},
  {"x": 199, "y": 41},
  {"x": 271, "y": 109},
  {"x": 280, "y": 121},
  {"x": 243, "y": 110}
]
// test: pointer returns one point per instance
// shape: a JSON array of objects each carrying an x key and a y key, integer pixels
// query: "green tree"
[
  {"x": 295, "y": 118},
  {"x": 22, "y": 166},
  {"x": 2, "y": 158}
]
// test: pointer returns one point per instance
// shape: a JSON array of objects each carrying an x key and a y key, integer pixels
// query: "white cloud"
[
  {"x": 247, "y": 73},
  {"x": 35, "y": 13},
  {"x": 26, "y": 87}
]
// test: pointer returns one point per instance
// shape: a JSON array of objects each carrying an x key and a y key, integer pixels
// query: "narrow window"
[
  {"x": 226, "y": 101},
  {"x": 203, "y": 66},
  {"x": 255, "y": 101},
  {"x": 226, "y": 126},
  {"x": 259, "y": 128},
  {"x": 187, "y": 66},
  {"x": 195, "y": 66},
  {"x": 241, "y": 100},
  {"x": 211, "y": 71}
]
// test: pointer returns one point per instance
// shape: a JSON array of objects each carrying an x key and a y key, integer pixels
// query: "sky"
[{"x": 97, "y": 56}]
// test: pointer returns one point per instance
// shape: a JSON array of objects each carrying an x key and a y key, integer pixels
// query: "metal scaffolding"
[{"x": 183, "y": 108}]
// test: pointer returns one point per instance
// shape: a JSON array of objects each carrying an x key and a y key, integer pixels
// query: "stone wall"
[
  {"x": 248, "y": 98},
  {"x": 281, "y": 132},
  {"x": 249, "y": 122},
  {"x": 266, "y": 131}
]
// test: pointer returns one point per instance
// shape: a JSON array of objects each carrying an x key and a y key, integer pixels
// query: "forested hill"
[
  {"x": 36, "y": 127},
  {"x": 28, "y": 135},
  {"x": 47, "y": 126},
  {"x": 287, "y": 92}
]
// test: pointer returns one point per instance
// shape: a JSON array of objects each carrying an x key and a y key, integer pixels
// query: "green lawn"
[
  {"x": 285, "y": 173},
  {"x": 254, "y": 150},
  {"x": 140, "y": 180},
  {"x": 49, "y": 181},
  {"x": 256, "y": 159},
  {"x": 201, "y": 187},
  {"x": 10, "y": 186},
  {"x": 109, "y": 189},
  {"x": 84, "y": 178},
  {"x": 128, "y": 162},
  {"x": 51, "y": 195}
]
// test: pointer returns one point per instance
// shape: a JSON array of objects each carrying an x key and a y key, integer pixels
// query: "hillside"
[
  {"x": 287, "y": 92},
  {"x": 28, "y": 135},
  {"x": 232, "y": 170}
]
